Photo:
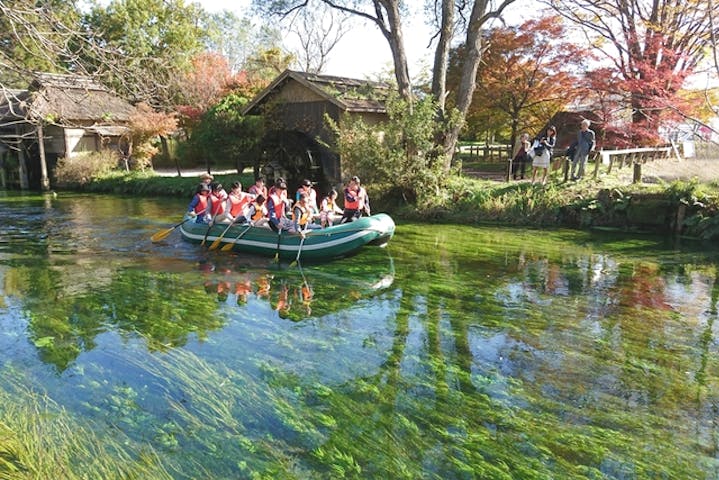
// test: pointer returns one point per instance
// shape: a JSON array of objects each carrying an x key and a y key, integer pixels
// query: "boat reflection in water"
[{"x": 297, "y": 292}]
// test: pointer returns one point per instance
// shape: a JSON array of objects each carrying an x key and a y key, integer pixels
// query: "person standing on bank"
[
  {"x": 585, "y": 144},
  {"x": 520, "y": 156},
  {"x": 542, "y": 153}
]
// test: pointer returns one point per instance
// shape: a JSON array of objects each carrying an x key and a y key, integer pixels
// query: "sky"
[{"x": 363, "y": 52}]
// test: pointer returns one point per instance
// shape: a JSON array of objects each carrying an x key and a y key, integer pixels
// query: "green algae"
[{"x": 456, "y": 352}]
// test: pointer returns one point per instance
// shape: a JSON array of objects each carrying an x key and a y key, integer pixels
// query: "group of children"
[{"x": 272, "y": 208}]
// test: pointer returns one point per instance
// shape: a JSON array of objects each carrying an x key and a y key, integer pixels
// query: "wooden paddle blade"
[
  {"x": 215, "y": 244},
  {"x": 227, "y": 247},
  {"x": 161, "y": 235}
]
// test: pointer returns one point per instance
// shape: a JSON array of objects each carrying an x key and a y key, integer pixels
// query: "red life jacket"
[
  {"x": 279, "y": 205},
  {"x": 353, "y": 204},
  {"x": 201, "y": 204}
]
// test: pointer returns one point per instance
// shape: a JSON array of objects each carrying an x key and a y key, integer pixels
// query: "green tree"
[
  {"x": 36, "y": 37},
  {"x": 401, "y": 151},
  {"x": 224, "y": 134},
  {"x": 146, "y": 45}
]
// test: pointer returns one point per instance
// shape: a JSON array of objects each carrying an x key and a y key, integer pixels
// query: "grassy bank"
[
  {"x": 677, "y": 205},
  {"x": 684, "y": 207},
  {"x": 150, "y": 184}
]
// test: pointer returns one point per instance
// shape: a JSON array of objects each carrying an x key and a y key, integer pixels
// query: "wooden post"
[
  {"x": 22, "y": 164},
  {"x": 637, "y": 178},
  {"x": 44, "y": 180},
  {"x": 3, "y": 179},
  {"x": 566, "y": 167},
  {"x": 509, "y": 169},
  {"x": 597, "y": 161}
]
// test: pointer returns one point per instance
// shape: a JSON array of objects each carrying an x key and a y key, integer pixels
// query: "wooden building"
[
  {"x": 297, "y": 143},
  {"x": 57, "y": 116}
]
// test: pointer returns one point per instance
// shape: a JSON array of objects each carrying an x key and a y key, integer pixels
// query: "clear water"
[{"x": 456, "y": 352}]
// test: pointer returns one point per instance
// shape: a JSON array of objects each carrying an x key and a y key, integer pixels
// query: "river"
[{"x": 454, "y": 352}]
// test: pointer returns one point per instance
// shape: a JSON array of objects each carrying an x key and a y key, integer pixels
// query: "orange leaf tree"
[
  {"x": 146, "y": 125},
  {"x": 528, "y": 73}
]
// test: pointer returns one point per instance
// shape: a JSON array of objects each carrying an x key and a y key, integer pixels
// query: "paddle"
[
  {"x": 227, "y": 247},
  {"x": 299, "y": 251},
  {"x": 164, "y": 233},
  {"x": 216, "y": 243},
  {"x": 279, "y": 236},
  {"x": 212, "y": 223}
]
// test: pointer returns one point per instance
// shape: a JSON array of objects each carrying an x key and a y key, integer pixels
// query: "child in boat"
[
  {"x": 307, "y": 190},
  {"x": 256, "y": 212},
  {"x": 277, "y": 208},
  {"x": 258, "y": 188},
  {"x": 199, "y": 205},
  {"x": 302, "y": 215},
  {"x": 330, "y": 212},
  {"x": 235, "y": 205},
  {"x": 217, "y": 202}
]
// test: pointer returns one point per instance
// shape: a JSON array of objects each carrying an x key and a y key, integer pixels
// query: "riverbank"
[{"x": 669, "y": 200}]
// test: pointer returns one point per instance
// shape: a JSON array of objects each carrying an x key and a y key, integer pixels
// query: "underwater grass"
[{"x": 41, "y": 440}]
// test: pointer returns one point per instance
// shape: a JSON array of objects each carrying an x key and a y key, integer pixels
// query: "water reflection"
[
  {"x": 67, "y": 306},
  {"x": 296, "y": 292},
  {"x": 457, "y": 353}
]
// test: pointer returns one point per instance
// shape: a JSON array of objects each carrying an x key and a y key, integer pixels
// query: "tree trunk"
[
  {"x": 467, "y": 82},
  {"x": 441, "y": 55},
  {"x": 395, "y": 38}
]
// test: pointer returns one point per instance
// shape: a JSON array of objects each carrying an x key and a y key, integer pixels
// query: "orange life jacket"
[
  {"x": 201, "y": 204},
  {"x": 238, "y": 202},
  {"x": 260, "y": 212},
  {"x": 304, "y": 215}
]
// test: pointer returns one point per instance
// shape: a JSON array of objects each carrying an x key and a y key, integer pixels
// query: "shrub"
[
  {"x": 400, "y": 151},
  {"x": 82, "y": 169}
]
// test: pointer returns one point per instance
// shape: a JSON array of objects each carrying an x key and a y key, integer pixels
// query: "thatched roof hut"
[
  {"x": 58, "y": 116},
  {"x": 67, "y": 100}
]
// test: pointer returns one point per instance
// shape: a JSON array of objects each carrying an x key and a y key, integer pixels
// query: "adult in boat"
[
  {"x": 356, "y": 201},
  {"x": 257, "y": 212},
  {"x": 199, "y": 204},
  {"x": 235, "y": 205},
  {"x": 311, "y": 194},
  {"x": 364, "y": 198},
  {"x": 276, "y": 208},
  {"x": 206, "y": 178},
  {"x": 330, "y": 212},
  {"x": 258, "y": 188},
  {"x": 302, "y": 215}
]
